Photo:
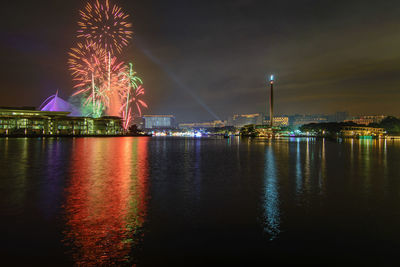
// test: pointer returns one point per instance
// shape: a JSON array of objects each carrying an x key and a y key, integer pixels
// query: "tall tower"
[{"x": 271, "y": 100}]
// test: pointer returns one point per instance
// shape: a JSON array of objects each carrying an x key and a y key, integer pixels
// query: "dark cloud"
[{"x": 327, "y": 55}]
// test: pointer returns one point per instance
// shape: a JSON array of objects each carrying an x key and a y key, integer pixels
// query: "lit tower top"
[{"x": 271, "y": 79}]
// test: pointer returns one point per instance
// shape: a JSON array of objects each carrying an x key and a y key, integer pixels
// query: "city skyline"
[
  {"x": 325, "y": 56},
  {"x": 199, "y": 132}
]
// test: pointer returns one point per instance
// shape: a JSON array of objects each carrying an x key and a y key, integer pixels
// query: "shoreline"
[
  {"x": 220, "y": 136},
  {"x": 69, "y": 136}
]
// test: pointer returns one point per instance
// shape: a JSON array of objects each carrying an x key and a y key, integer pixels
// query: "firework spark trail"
[{"x": 130, "y": 93}]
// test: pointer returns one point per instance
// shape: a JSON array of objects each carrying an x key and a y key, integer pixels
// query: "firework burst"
[
  {"x": 85, "y": 62},
  {"x": 105, "y": 25},
  {"x": 88, "y": 64}
]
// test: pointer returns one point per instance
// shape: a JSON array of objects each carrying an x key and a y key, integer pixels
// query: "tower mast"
[{"x": 271, "y": 100}]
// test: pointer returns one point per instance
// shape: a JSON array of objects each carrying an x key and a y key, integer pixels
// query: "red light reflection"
[{"x": 106, "y": 199}]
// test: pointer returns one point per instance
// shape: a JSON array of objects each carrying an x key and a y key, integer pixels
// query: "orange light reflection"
[{"x": 106, "y": 199}]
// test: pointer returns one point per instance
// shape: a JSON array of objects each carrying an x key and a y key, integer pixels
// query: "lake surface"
[{"x": 176, "y": 201}]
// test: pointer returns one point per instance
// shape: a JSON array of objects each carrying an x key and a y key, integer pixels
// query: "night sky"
[{"x": 202, "y": 60}]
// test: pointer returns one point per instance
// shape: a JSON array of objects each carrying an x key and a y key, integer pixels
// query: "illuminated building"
[
  {"x": 298, "y": 120},
  {"x": 245, "y": 119},
  {"x": 17, "y": 121},
  {"x": 281, "y": 121},
  {"x": 365, "y": 120},
  {"x": 213, "y": 124},
  {"x": 159, "y": 121},
  {"x": 354, "y": 131},
  {"x": 55, "y": 103}
]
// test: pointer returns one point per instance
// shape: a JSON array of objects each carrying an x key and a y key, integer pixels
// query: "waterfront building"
[
  {"x": 159, "y": 121},
  {"x": 240, "y": 121},
  {"x": 357, "y": 131},
  {"x": 213, "y": 124},
  {"x": 28, "y": 121},
  {"x": 55, "y": 103},
  {"x": 262, "y": 131},
  {"x": 281, "y": 121},
  {"x": 367, "y": 119},
  {"x": 265, "y": 130}
]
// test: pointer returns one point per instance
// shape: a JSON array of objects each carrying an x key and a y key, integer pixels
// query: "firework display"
[
  {"x": 105, "y": 25},
  {"x": 86, "y": 68},
  {"x": 105, "y": 84},
  {"x": 130, "y": 94}
]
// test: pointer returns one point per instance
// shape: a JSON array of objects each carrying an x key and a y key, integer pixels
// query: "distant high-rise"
[{"x": 341, "y": 116}]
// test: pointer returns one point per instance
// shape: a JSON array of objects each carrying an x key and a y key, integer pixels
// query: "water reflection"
[
  {"x": 14, "y": 186},
  {"x": 272, "y": 212},
  {"x": 208, "y": 198},
  {"x": 299, "y": 172},
  {"x": 192, "y": 174},
  {"x": 106, "y": 199},
  {"x": 51, "y": 152},
  {"x": 307, "y": 166},
  {"x": 322, "y": 170}
]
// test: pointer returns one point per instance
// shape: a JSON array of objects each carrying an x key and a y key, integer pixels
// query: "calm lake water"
[{"x": 173, "y": 201}]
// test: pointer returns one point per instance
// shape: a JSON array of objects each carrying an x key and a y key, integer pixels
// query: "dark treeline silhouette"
[{"x": 390, "y": 124}]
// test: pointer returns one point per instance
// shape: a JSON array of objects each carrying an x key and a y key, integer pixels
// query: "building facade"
[
  {"x": 239, "y": 121},
  {"x": 281, "y": 121},
  {"x": 356, "y": 131},
  {"x": 14, "y": 121},
  {"x": 159, "y": 121},
  {"x": 367, "y": 119},
  {"x": 298, "y": 120},
  {"x": 213, "y": 124},
  {"x": 339, "y": 116}
]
